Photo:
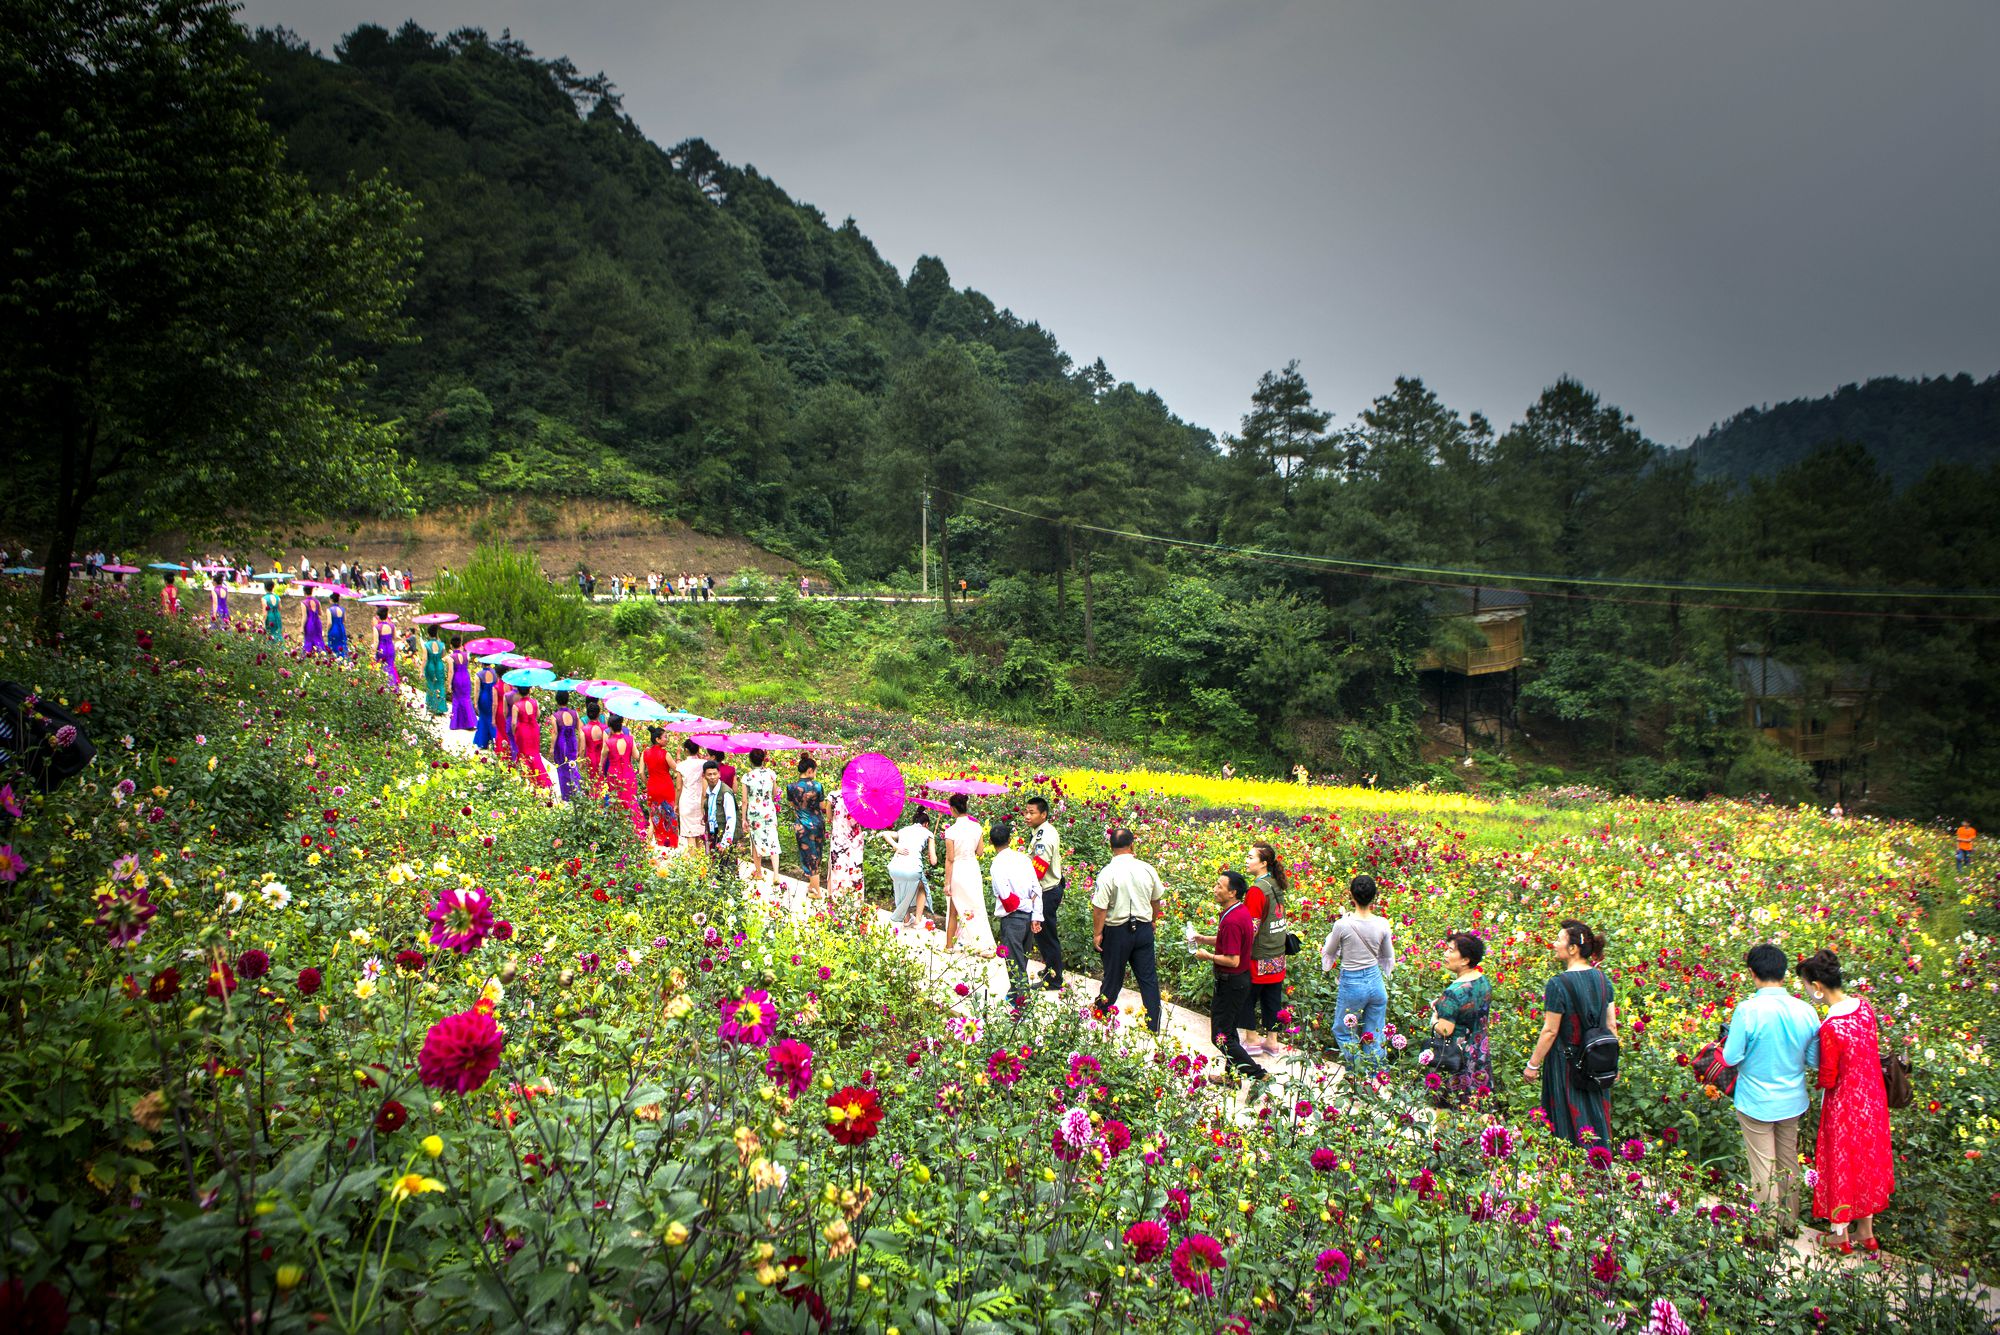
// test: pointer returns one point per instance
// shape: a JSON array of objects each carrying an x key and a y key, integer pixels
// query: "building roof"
[
  {"x": 1762, "y": 677},
  {"x": 1474, "y": 599}
]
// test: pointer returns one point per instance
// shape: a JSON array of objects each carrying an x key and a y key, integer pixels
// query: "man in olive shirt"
[
  {"x": 1123, "y": 908},
  {"x": 1045, "y": 847}
]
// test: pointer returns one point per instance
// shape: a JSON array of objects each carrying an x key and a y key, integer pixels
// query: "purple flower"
[
  {"x": 124, "y": 915},
  {"x": 749, "y": 1020},
  {"x": 461, "y": 919}
]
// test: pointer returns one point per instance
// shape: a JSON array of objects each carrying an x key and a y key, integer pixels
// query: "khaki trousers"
[{"x": 1773, "y": 1149}]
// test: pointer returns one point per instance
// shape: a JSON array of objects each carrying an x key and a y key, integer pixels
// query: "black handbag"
[{"x": 1292, "y": 946}]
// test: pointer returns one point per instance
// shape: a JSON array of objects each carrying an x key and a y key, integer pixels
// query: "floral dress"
[
  {"x": 849, "y": 839},
  {"x": 808, "y": 822},
  {"x": 760, "y": 810},
  {"x": 1575, "y": 1108},
  {"x": 1467, "y": 1003},
  {"x": 1857, "y": 1171}
]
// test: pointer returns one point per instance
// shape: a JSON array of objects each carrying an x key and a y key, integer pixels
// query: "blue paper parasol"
[{"x": 528, "y": 677}]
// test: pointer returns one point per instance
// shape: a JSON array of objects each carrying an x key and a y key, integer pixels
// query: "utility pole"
[{"x": 926, "y": 496}]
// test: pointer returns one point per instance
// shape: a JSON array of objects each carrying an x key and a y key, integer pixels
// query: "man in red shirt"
[{"x": 1229, "y": 951}]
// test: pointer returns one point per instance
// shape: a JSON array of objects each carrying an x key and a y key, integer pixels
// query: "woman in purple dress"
[
  {"x": 566, "y": 747},
  {"x": 221, "y": 601},
  {"x": 462, "y": 719},
  {"x": 315, "y": 639},
  {"x": 385, "y": 647}
]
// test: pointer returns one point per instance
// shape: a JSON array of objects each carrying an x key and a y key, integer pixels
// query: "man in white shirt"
[
  {"x": 1045, "y": 851},
  {"x": 721, "y": 813},
  {"x": 1017, "y": 904}
]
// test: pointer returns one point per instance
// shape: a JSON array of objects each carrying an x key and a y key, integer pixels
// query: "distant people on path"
[
  {"x": 1575, "y": 1001},
  {"x": 914, "y": 845},
  {"x": 1459, "y": 1017},
  {"x": 1856, "y": 1167},
  {"x": 1265, "y": 904},
  {"x": 1966, "y": 836},
  {"x": 964, "y": 889},
  {"x": 1017, "y": 903},
  {"x": 1045, "y": 849},
  {"x": 807, "y": 800},
  {"x": 1773, "y": 1037},
  {"x": 1229, "y": 951},
  {"x": 1125, "y": 905},
  {"x": 1361, "y": 948}
]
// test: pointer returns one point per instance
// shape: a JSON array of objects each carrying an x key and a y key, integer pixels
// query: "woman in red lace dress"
[{"x": 1856, "y": 1171}]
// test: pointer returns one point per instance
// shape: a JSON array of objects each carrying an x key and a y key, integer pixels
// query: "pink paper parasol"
[
  {"x": 970, "y": 787},
  {"x": 387, "y": 602},
  {"x": 491, "y": 644},
  {"x": 872, "y": 789},
  {"x": 434, "y": 618},
  {"x": 696, "y": 725},
  {"x": 467, "y": 628},
  {"x": 719, "y": 741},
  {"x": 523, "y": 661},
  {"x": 121, "y": 570},
  {"x": 769, "y": 741},
  {"x": 932, "y": 804}
]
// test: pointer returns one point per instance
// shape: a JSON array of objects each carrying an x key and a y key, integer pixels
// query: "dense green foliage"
[
  {"x": 1907, "y": 426},
  {"x": 170, "y": 294}
]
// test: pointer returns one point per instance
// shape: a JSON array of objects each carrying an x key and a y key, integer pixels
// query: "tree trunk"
[
  {"x": 1089, "y": 629},
  {"x": 1062, "y": 584},
  {"x": 74, "y": 487},
  {"x": 944, "y": 556}
]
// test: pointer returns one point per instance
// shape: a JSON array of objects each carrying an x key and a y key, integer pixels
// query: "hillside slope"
[{"x": 1907, "y": 425}]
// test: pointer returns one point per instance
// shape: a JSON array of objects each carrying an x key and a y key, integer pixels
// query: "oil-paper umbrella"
[
  {"x": 121, "y": 570},
  {"x": 970, "y": 787},
  {"x": 602, "y": 689},
  {"x": 564, "y": 684},
  {"x": 522, "y": 660},
  {"x": 502, "y": 659},
  {"x": 719, "y": 741},
  {"x": 932, "y": 804},
  {"x": 165, "y": 565},
  {"x": 641, "y": 711},
  {"x": 872, "y": 790},
  {"x": 386, "y": 602},
  {"x": 530, "y": 677},
  {"x": 769, "y": 741},
  {"x": 489, "y": 644},
  {"x": 467, "y": 628},
  {"x": 698, "y": 724},
  {"x": 433, "y": 618}
]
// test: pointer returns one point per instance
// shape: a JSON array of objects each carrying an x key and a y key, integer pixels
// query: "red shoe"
[{"x": 1870, "y": 1245}]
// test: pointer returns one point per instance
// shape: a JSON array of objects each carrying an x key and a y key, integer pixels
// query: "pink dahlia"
[
  {"x": 123, "y": 915},
  {"x": 1148, "y": 1240},
  {"x": 1117, "y": 1136},
  {"x": 1666, "y": 1319},
  {"x": 1496, "y": 1142},
  {"x": 748, "y": 1020},
  {"x": 791, "y": 1065},
  {"x": 1324, "y": 1160},
  {"x": 1195, "y": 1262},
  {"x": 461, "y": 1051},
  {"x": 1333, "y": 1266},
  {"x": 1179, "y": 1205},
  {"x": 461, "y": 919}
]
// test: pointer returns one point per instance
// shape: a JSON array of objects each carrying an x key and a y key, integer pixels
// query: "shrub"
[{"x": 503, "y": 587}]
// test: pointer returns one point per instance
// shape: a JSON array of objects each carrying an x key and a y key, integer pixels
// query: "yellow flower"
[
  {"x": 289, "y": 1276},
  {"x": 412, "y": 1184},
  {"x": 365, "y": 988},
  {"x": 676, "y": 1234},
  {"x": 433, "y": 1146}
]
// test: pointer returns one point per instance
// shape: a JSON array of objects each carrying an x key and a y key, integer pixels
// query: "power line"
[{"x": 1447, "y": 577}]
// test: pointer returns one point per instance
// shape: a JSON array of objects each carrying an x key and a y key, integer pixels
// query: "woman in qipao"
[
  {"x": 435, "y": 699},
  {"x": 385, "y": 647},
  {"x": 462, "y": 717},
  {"x": 528, "y": 736},
  {"x": 482, "y": 732},
  {"x": 566, "y": 748},
  {"x": 314, "y": 641},
  {"x": 336, "y": 627}
]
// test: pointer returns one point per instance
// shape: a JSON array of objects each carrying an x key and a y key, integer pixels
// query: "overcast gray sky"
[{"x": 1690, "y": 205}]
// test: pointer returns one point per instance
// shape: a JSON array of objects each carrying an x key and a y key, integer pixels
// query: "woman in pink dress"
[
  {"x": 620, "y": 751},
  {"x": 528, "y": 737},
  {"x": 1855, "y": 1168},
  {"x": 503, "y": 721},
  {"x": 593, "y": 748}
]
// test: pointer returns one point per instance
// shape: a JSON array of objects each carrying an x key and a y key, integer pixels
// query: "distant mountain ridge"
[{"x": 1907, "y": 425}]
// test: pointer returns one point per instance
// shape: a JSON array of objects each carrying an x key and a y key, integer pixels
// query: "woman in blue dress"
[
  {"x": 483, "y": 731},
  {"x": 336, "y": 628}
]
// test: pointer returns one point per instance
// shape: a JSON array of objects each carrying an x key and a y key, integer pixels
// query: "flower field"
[{"x": 315, "y": 1025}]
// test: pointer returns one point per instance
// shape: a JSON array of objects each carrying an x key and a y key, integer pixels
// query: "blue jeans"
[{"x": 1364, "y": 999}]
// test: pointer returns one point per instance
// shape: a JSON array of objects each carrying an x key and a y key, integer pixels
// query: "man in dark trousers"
[
  {"x": 1123, "y": 908},
  {"x": 1045, "y": 847}
]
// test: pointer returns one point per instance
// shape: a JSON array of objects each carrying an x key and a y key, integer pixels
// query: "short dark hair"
[
  {"x": 708, "y": 765},
  {"x": 1469, "y": 947},
  {"x": 1823, "y": 968},
  {"x": 1118, "y": 837},
  {"x": 1002, "y": 833},
  {"x": 1238, "y": 886},
  {"x": 1768, "y": 962},
  {"x": 1039, "y": 803},
  {"x": 1362, "y": 890}
]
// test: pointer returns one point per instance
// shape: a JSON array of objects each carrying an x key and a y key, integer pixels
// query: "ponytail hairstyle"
[
  {"x": 1274, "y": 869},
  {"x": 654, "y": 734},
  {"x": 1822, "y": 967},
  {"x": 591, "y": 709},
  {"x": 1590, "y": 944}
]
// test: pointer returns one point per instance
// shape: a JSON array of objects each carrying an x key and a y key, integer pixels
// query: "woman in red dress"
[
  {"x": 1856, "y": 1170},
  {"x": 620, "y": 776},
  {"x": 593, "y": 747},
  {"x": 661, "y": 800},
  {"x": 528, "y": 736}
]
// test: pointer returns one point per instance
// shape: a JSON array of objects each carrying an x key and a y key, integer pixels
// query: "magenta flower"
[
  {"x": 461, "y": 919},
  {"x": 749, "y": 1020},
  {"x": 791, "y": 1065},
  {"x": 461, "y": 1051},
  {"x": 1147, "y": 1240},
  {"x": 11, "y": 863},
  {"x": 1496, "y": 1142},
  {"x": 1076, "y": 1128},
  {"x": 1333, "y": 1266},
  {"x": 125, "y": 868},
  {"x": 124, "y": 915},
  {"x": 8, "y": 802},
  {"x": 1195, "y": 1262},
  {"x": 1324, "y": 1160},
  {"x": 1179, "y": 1205}
]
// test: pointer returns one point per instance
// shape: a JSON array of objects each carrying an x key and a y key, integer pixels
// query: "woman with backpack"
[
  {"x": 1266, "y": 906},
  {"x": 1578, "y": 1017}
]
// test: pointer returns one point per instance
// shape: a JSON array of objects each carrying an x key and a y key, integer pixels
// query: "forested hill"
[
  {"x": 1907, "y": 425},
  {"x": 599, "y": 314}
]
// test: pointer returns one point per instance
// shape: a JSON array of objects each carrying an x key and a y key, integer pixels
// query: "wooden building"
[
  {"x": 1826, "y": 718},
  {"x": 1474, "y": 663}
]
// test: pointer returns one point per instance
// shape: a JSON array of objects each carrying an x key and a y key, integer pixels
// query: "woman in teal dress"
[
  {"x": 435, "y": 697},
  {"x": 1463, "y": 1062},
  {"x": 274, "y": 620},
  {"x": 807, "y": 800},
  {"x": 1579, "y": 998}
]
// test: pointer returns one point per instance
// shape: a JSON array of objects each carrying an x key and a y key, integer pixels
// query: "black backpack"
[{"x": 1594, "y": 1061}]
